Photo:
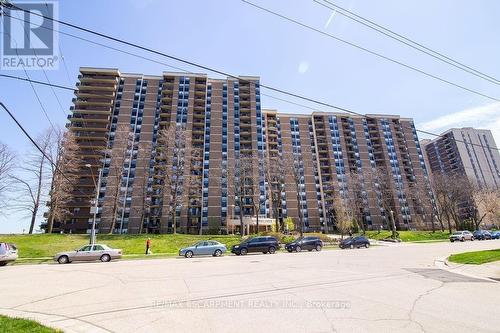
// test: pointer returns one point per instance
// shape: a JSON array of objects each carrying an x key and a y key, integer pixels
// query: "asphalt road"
[{"x": 381, "y": 289}]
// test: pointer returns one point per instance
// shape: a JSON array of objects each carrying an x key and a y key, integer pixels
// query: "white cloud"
[
  {"x": 303, "y": 67},
  {"x": 482, "y": 117}
]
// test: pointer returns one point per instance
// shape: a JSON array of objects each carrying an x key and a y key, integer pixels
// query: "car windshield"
[
  {"x": 3, "y": 250},
  {"x": 457, "y": 233},
  {"x": 348, "y": 239}
]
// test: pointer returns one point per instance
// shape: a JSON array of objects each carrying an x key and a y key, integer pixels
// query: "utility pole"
[
  {"x": 96, "y": 202},
  {"x": 393, "y": 225}
]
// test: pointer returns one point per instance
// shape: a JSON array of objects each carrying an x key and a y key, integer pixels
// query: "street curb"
[{"x": 445, "y": 264}]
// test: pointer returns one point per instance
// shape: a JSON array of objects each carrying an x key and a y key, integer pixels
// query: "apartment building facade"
[
  {"x": 465, "y": 152},
  {"x": 120, "y": 122}
]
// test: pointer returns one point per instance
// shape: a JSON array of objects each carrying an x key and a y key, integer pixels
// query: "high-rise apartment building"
[
  {"x": 122, "y": 121},
  {"x": 466, "y": 152}
]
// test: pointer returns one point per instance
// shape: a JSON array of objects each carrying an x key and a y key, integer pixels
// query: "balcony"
[{"x": 98, "y": 79}]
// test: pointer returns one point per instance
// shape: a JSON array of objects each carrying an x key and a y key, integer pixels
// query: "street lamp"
[{"x": 96, "y": 202}]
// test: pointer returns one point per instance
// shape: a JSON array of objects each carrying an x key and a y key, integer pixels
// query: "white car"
[
  {"x": 461, "y": 236},
  {"x": 8, "y": 253},
  {"x": 89, "y": 253}
]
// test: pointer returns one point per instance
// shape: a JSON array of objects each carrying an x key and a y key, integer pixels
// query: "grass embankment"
[
  {"x": 39, "y": 248},
  {"x": 19, "y": 325},
  {"x": 476, "y": 257},
  {"x": 411, "y": 236}
]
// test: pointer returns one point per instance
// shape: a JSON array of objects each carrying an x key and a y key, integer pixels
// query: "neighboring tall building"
[
  {"x": 119, "y": 119},
  {"x": 468, "y": 152}
]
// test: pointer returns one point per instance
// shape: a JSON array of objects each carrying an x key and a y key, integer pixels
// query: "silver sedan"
[
  {"x": 213, "y": 248},
  {"x": 8, "y": 253},
  {"x": 89, "y": 253}
]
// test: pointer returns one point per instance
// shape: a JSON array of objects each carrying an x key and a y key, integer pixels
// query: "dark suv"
[
  {"x": 264, "y": 244},
  {"x": 305, "y": 243},
  {"x": 482, "y": 234}
]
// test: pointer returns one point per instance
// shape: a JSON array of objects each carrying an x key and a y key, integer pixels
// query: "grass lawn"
[
  {"x": 476, "y": 257},
  {"x": 411, "y": 236},
  {"x": 19, "y": 325},
  {"x": 42, "y": 247}
]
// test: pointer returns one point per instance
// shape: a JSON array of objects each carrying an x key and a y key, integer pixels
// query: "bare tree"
[
  {"x": 7, "y": 164},
  {"x": 243, "y": 181},
  {"x": 450, "y": 192},
  {"x": 421, "y": 199},
  {"x": 119, "y": 152},
  {"x": 30, "y": 183},
  {"x": 162, "y": 176},
  {"x": 383, "y": 182},
  {"x": 194, "y": 186},
  {"x": 343, "y": 214},
  {"x": 486, "y": 206},
  {"x": 180, "y": 148},
  {"x": 143, "y": 209},
  {"x": 274, "y": 173},
  {"x": 172, "y": 156},
  {"x": 64, "y": 153},
  {"x": 296, "y": 168},
  {"x": 356, "y": 197}
]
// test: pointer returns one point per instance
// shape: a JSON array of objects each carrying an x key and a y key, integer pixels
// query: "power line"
[
  {"x": 147, "y": 49},
  {"x": 183, "y": 70},
  {"x": 405, "y": 40},
  {"x": 370, "y": 51},
  {"x": 191, "y": 63},
  {"x": 45, "y": 74},
  {"x": 56, "y": 167},
  {"x": 155, "y": 105}
]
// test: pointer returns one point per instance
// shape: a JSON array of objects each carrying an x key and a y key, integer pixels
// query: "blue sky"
[{"x": 239, "y": 39}]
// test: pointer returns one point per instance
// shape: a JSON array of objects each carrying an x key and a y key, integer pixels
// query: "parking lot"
[{"x": 383, "y": 288}]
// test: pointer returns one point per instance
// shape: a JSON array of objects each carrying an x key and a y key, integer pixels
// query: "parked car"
[
  {"x": 495, "y": 234},
  {"x": 461, "y": 236},
  {"x": 209, "y": 247},
  {"x": 305, "y": 243},
  {"x": 264, "y": 244},
  {"x": 89, "y": 253},
  {"x": 355, "y": 242},
  {"x": 482, "y": 234},
  {"x": 8, "y": 253}
]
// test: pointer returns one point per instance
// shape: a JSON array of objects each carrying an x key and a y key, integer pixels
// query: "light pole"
[
  {"x": 96, "y": 202},
  {"x": 393, "y": 225}
]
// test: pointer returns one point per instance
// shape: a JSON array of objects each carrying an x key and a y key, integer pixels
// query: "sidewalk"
[{"x": 488, "y": 271}]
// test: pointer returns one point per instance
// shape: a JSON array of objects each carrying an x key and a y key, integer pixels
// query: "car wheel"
[
  {"x": 3, "y": 263},
  {"x": 367, "y": 245},
  {"x": 189, "y": 254},
  {"x": 290, "y": 251},
  {"x": 217, "y": 253},
  {"x": 462, "y": 239},
  {"x": 318, "y": 247},
  {"x": 63, "y": 260},
  {"x": 105, "y": 258},
  {"x": 472, "y": 239},
  {"x": 351, "y": 246},
  {"x": 272, "y": 249},
  {"x": 451, "y": 240},
  {"x": 243, "y": 251},
  {"x": 298, "y": 249}
]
